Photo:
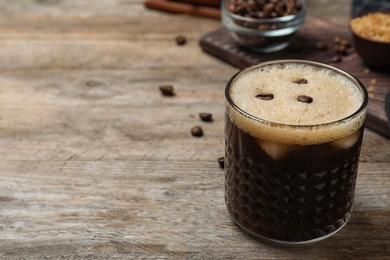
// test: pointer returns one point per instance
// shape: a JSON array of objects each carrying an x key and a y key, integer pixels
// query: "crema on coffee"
[{"x": 334, "y": 97}]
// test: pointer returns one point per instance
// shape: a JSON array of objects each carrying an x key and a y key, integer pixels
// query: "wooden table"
[{"x": 97, "y": 164}]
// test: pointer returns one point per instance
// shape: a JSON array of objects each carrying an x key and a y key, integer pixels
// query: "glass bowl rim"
[{"x": 267, "y": 20}]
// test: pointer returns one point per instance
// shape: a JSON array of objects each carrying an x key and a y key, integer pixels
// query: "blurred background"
[
  {"x": 341, "y": 11},
  {"x": 337, "y": 11}
]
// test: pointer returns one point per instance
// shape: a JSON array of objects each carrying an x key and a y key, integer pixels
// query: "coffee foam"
[{"x": 286, "y": 120}]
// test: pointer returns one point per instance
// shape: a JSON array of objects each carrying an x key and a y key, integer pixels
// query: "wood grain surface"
[{"x": 96, "y": 164}]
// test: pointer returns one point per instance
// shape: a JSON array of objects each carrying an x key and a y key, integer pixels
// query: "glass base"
[{"x": 292, "y": 243}]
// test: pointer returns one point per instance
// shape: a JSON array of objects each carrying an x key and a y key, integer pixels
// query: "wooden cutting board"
[{"x": 220, "y": 44}]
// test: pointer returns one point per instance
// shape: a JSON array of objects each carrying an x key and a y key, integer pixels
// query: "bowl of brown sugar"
[{"x": 371, "y": 36}]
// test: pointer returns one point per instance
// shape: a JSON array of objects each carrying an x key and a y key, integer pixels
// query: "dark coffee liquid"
[{"x": 304, "y": 195}]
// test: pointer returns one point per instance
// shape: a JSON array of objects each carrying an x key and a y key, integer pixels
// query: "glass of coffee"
[{"x": 293, "y": 133}]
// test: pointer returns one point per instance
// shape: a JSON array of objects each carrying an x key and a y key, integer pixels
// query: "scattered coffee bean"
[
  {"x": 337, "y": 39},
  {"x": 181, "y": 40},
  {"x": 341, "y": 45},
  {"x": 322, "y": 46},
  {"x": 340, "y": 49},
  {"x": 197, "y": 131},
  {"x": 345, "y": 42},
  {"x": 300, "y": 81},
  {"x": 305, "y": 99},
  {"x": 221, "y": 162},
  {"x": 167, "y": 90},
  {"x": 341, "y": 40},
  {"x": 206, "y": 117},
  {"x": 93, "y": 83},
  {"x": 265, "y": 96},
  {"x": 337, "y": 58}
]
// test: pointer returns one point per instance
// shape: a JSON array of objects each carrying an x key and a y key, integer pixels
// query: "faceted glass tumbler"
[{"x": 303, "y": 196}]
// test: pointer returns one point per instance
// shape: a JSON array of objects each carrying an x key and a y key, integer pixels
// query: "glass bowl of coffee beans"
[{"x": 263, "y": 25}]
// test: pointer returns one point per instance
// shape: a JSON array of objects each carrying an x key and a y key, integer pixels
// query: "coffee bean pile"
[{"x": 264, "y": 8}]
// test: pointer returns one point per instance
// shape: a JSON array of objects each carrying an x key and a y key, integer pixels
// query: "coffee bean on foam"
[
  {"x": 305, "y": 99},
  {"x": 265, "y": 96}
]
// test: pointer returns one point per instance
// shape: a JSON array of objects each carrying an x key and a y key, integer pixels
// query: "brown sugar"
[{"x": 374, "y": 26}]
